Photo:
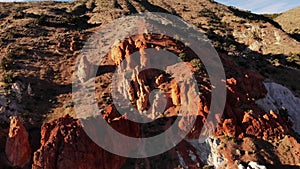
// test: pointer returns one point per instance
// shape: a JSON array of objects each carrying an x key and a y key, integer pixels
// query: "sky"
[
  {"x": 255, "y": 6},
  {"x": 262, "y": 6}
]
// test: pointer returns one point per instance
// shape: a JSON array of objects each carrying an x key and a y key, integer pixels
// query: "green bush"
[
  {"x": 41, "y": 20},
  {"x": 182, "y": 56},
  {"x": 5, "y": 63},
  {"x": 196, "y": 64},
  {"x": 7, "y": 77}
]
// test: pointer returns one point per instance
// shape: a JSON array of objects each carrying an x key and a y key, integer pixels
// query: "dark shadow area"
[
  {"x": 117, "y": 5},
  {"x": 253, "y": 17},
  {"x": 35, "y": 110},
  {"x": 44, "y": 98},
  {"x": 266, "y": 149},
  {"x": 150, "y": 7},
  {"x": 3, "y": 15},
  {"x": 296, "y": 36},
  {"x": 69, "y": 21},
  {"x": 280, "y": 68},
  {"x": 105, "y": 69},
  {"x": 282, "y": 166},
  {"x": 131, "y": 7},
  {"x": 80, "y": 10},
  {"x": 168, "y": 159}
]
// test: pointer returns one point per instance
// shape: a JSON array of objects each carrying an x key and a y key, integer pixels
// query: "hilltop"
[{"x": 290, "y": 22}]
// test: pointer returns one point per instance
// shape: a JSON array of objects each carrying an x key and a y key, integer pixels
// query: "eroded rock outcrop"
[
  {"x": 282, "y": 101},
  {"x": 242, "y": 116},
  {"x": 64, "y": 144},
  {"x": 137, "y": 85},
  {"x": 208, "y": 151},
  {"x": 17, "y": 150},
  {"x": 85, "y": 69}
]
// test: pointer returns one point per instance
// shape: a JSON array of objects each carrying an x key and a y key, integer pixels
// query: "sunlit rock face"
[
  {"x": 208, "y": 151},
  {"x": 282, "y": 101},
  {"x": 64, "y": 144},
  {"x": 18, "y": 150}
]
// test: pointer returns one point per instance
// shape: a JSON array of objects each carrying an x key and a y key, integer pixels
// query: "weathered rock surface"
[
  {"x": 208, "y": 151},
  {"x": 64, "y": 144},
  {"x": 263, "y": 40},
  {"x": 137, "y": 85},
  {"x": 242, "y": 116},
  {"x": 85, "y": 69},
  {"x": 282, "y": 101},
  {"x": 49, "y": 51},
  {"x": 17, "y": 150}
]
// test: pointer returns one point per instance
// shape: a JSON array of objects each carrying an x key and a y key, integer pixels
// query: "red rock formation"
[
  {"x": 17, "y": 150},
  {"x": 242, "y": 116},
  {"x": 64, "y": 144},
  {"x": 243, "y": 89}
]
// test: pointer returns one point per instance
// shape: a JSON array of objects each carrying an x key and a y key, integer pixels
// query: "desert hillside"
[
  {"x": 41, "y": 44},
  {"x": 290, "y": 21}
]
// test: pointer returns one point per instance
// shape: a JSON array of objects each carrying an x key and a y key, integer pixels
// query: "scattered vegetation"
[
  {"x": 197, "y": 64},
  {"x": 182, "y": 56},
  {"x": 272, "y": 16},
  {"x": 208, "y": 13},
  {"x": 5, "y": 63},
  {"x": 293, "y": 58},
  {"x": 41, "y": 20},
  {"x": 7, "y": 77},
  {"x": 19, "y": 15}
]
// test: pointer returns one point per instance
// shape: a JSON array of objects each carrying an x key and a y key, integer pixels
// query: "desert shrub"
[
  {"x": 5, "y": 63},
  {"x": 242, "y": 21},
  {"x": 232, "y": 47},
  {"x": 22, "y": 51},
  {"x": 275, "y": 62},
  {"x": 272, "y": 16},
  {"x": 293, "y": 57},
  {"x": 182, "y": 56},
  {"x": 262, "y": 26},
  {"x": 284, "y": 113},
  {"x": 41, "y": 20},
  {"x": 2, "y": 40},
  {"x": 208, "y": 13},
  {"x": 10, "y": 54},
  {"x": 196, "y": 64},
  {"x": 224, "y": 24},
  {"x": 19, "y": 15},
  {"x": 7, "y": 77}
]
